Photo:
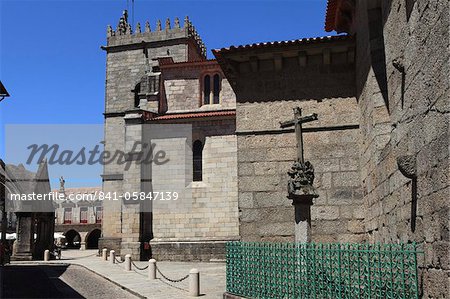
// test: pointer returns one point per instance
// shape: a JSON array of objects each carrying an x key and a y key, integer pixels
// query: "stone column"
[
  {"x": 302, "y": 205},
  {"x": 23, "y": 245},
  {"x": 302, "y": 192}
]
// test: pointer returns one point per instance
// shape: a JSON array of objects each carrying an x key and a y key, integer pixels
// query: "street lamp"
[{"x": 3, "y": 92}]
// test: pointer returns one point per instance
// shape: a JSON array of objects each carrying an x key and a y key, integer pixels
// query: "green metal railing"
[{"x": 299, "y": 270}]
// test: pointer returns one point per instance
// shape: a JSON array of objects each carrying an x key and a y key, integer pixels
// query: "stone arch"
[
  {"x": 73, "y": 239},
  {"x": 92, "y": 238}
]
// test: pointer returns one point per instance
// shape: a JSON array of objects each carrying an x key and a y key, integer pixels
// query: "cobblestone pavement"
[{"x": 212, "y": 276}]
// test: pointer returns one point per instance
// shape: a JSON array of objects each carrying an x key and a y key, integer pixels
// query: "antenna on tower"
[{"x": 132, "y": 12}]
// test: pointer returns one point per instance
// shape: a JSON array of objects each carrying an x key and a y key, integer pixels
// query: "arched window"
[
  {"x": 197, "y": 149},
  {"x": 216, "y": 86},
  {"x": 211, "y": 89},
  {"x": 206, "y": 89}
]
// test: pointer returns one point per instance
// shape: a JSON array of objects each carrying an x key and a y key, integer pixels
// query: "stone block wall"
[
  {"x": 113, "y": 177},
  {"x": 213, "y": 214},
  {"x": 183, "y": 88},
  {"x": 265, "y": 154},
  {"x": 199, "y": 231},
  {"x": 410, "y": 119},
  {"x": 124, "y": 70}
]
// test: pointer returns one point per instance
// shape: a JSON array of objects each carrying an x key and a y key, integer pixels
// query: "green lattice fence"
[{"x": 293, "y": 270}]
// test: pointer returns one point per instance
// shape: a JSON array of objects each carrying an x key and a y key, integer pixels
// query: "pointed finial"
[
  {"x": 125, "y": 15},
  {"x": 186, "y": 22},
  {"x": 177, "y": 23},
  {"x": 138, "y": 28},
  {"x": 109, "y": 31},
  {"x": 129, "y": 30},
  {"x": 122, "y": 26},
  {"x": 167, "y": 24},
  {"x": 147, "y": 27},
  {"x": 158, "y": 25}
]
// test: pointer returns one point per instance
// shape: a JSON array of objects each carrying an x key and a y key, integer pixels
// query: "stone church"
[
  {"x": 379, "y": 147},
  {"x": 161, "y": 76}
]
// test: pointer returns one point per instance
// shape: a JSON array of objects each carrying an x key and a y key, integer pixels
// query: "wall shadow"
[{"x": 34, "y": 282}]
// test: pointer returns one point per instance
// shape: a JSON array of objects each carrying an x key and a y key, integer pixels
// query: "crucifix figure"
[
  {"x": 300, "y": 184},
  {"x": 301, "y": 173}
]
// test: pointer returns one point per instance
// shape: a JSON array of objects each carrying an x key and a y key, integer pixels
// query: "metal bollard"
[
  {"x": 112, "y": 257},
  {"x": 46, "y": 255},
  {"x": 104, "y": 254},
  {"x": 128, "y": 262},
  {"x": 152, "y": 269},
  {"x": 194, "y": 283}
]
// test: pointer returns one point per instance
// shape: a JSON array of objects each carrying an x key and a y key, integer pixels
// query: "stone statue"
[
  {"x": 301, "y": 179},
  {"x": 61, "y": 183},
  {"x": 302, "y": 172}
]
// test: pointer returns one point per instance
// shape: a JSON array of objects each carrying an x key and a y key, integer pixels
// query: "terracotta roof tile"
[
  {"x": 274, "y": 44},
  {"x": 167, "y": 64},
  {"x": 330, "y": 16},
  {"x": 195, "y": 115}
]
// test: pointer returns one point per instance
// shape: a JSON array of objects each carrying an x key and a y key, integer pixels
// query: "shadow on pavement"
[{"x": 37, "y": 281}]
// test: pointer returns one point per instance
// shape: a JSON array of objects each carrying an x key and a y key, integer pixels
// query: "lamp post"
[{"x": 3, "y": 94}]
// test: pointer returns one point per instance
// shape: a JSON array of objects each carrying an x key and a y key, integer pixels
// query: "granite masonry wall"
[
  {"x": 183, "y": 88},
  {"x": 112, "y": 182},
  {"x": 212, "y": 218},
  {"x": 264, "y": 159},
  {"x": 320, "y": 79},
  {"x": 403, "y": 93}
]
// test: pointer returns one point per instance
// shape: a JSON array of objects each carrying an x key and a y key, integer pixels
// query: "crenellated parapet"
[{"x": 124, "y": 33}]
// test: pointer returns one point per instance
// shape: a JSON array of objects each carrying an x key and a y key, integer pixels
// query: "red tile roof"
[
  {"x": 330, "y": 17},
  {"x": 164, "y": 63},
  {"x": 165, "y": 60},
  {"x": 340, "y": 15},
  {"x": 195, "y": 115},
  {"x": 302, "y": 41}
]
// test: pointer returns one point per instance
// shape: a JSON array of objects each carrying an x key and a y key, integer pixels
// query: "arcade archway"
[
  {"x": 73, "y": 239},
  {"x": 92, "y": 239}
]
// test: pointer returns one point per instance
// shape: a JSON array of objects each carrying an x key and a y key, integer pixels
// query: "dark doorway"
[
  {"x": 73, "y": 239},
  {"x": 92, "y": 239}
]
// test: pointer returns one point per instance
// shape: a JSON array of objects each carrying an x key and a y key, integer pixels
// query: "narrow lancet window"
[
  {"x": 216, "y": 89},
  {"x": 206, "y": 89},
  {"x": 197, "y": 149}
]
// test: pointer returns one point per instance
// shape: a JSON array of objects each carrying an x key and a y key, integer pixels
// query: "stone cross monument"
[{"x": 300, "y": 185}]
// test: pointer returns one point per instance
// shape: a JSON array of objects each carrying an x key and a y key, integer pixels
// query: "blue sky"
[{"x": 53, "y": 67}]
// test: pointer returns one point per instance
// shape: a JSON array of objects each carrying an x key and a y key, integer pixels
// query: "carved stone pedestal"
[{"x": 302, "y": 192}]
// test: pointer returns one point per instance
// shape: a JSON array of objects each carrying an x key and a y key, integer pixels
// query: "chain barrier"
[
  {"x": 137, "y": 267},
  {"x": 171, "y": 280},
  {"x": 118, "y": 261}
]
